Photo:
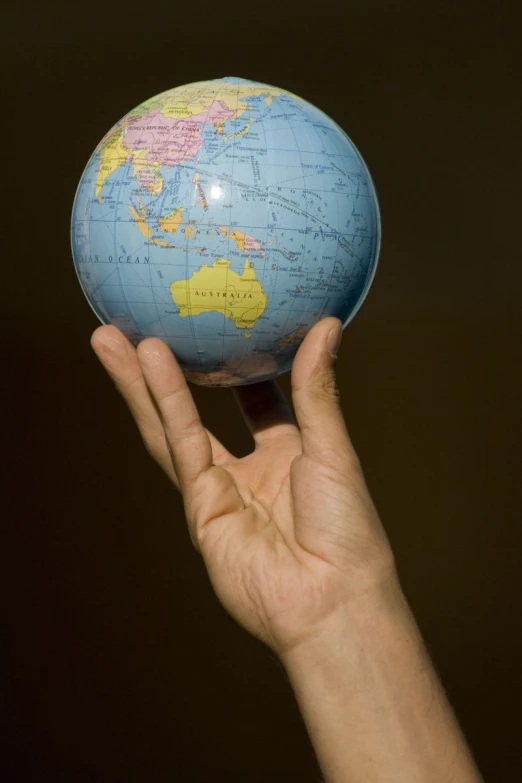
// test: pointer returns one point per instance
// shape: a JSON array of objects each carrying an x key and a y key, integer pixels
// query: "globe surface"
[{"x": 225, "y": 217}]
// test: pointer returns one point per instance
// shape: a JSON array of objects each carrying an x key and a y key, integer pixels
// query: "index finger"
[
  {"x": 119, "y": 358},
  {"x": 187, "y": 437}
]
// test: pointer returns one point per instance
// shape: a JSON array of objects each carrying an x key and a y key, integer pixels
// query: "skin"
[{"x": 297, "y": 554}]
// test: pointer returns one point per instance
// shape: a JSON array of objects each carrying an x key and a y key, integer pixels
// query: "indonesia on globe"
[{"x": 225, "y": 217}]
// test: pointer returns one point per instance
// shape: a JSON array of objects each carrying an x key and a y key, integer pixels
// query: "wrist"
[
  {"x": 371, "y": 699},
  {"x": 364, "y": 621}
]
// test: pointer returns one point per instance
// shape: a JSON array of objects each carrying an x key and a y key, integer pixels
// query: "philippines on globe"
[{"x": 225, "y": 217}]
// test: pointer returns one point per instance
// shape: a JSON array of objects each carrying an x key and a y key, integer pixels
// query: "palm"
[
  {"x": 259, "y": 521},
  {"x": 249, "y": 551}
]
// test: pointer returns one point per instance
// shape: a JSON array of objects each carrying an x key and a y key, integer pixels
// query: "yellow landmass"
[
  {"x": 298, "y": 334},
  {"x": 200, "y": 191},
  {"x": 181, "y": 103},
  {"x": 146, "y": 172},
  {"x": 242, "y": 132},
  {"x": 218, "y": 288},
  {"x": 183, "y": 108},
  {"x": 187, "y": 101},
  {"x": 239, "y": 237},
  {"x": 189, "y": 231},
  {"x": 145, "y": 229},
  {"x": 190, "y": 99},
  {"x": 235, "y": 96},
  {"x": 156, "y": 186},
  {"x": 172, "y": 221},
  {"x": 112, "y": 156}
]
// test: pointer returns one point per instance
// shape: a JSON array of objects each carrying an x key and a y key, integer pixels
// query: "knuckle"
[
  {"x": 326, "y": 387},
  {"x": 189, "y": 430},
  {"x": 127, "y": 387},
  {"x": 322, "y": 385},
  {"x": 169, "y": 394}
]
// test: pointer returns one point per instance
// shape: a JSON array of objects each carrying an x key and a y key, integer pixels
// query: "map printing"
[{"x": 226, "y": 218}]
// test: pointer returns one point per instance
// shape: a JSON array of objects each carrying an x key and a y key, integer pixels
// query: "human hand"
[{"x": 289, "y": 533}]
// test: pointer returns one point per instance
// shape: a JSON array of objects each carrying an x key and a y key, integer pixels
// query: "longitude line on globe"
[{"x": 304, "y": 213}]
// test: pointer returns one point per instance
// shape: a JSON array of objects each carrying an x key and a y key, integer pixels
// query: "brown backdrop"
[{"x": 122, "y": 664}]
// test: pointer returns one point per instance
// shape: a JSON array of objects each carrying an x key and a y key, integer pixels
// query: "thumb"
[{"x": 315, "y": 396}]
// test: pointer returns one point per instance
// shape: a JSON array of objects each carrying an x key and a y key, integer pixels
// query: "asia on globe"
[{"x": 225, "y": 217}]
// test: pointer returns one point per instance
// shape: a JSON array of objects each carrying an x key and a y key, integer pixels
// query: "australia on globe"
[{"x": 225, "y": 217}]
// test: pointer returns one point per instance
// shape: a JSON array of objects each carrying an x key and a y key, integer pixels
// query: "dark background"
[{"x": 122, "y": 666}]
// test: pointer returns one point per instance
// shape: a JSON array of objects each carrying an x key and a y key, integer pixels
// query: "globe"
[{"x": 225, "y": 217}]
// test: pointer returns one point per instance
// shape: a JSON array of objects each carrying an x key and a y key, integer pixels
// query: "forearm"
[{"x": 372, "y": 703}]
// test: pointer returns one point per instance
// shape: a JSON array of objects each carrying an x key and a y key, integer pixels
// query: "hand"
[{"x": 289, "y": 534}]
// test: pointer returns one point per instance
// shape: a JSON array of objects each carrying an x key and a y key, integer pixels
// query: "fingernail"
[{"x": 334, "y": 339}]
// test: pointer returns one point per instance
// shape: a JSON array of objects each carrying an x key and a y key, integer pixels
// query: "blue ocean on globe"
[{"x": 225, "y": 217}]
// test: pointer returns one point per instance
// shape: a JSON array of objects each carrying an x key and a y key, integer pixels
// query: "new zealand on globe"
[{"x": 225, "y": 217}]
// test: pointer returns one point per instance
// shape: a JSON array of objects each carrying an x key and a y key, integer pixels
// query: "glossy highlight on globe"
[{"x": 225, "y": 217}]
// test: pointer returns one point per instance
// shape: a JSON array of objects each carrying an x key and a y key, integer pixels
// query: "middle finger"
[{"x": 120, "y": 360}]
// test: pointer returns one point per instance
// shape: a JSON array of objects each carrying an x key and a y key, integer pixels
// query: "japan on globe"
[{"x": 225, "y": 217}]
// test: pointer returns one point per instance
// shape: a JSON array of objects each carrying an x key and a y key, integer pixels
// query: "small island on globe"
[{"x": 225, "y": 217}]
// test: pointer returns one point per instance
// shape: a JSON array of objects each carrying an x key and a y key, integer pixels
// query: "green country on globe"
[{"x": 225, "y": 217}]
